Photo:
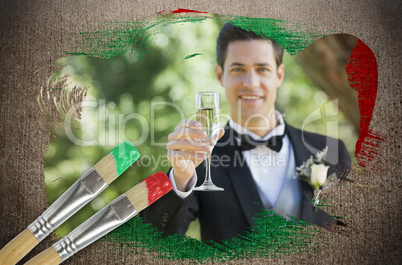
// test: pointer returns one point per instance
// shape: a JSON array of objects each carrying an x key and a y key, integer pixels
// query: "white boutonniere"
[{"x": 314, "y": 172}]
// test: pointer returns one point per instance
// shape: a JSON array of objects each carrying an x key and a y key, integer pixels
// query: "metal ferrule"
[
  {"x": 111, "y": 216},
  {"x": 80, "y": 193}
]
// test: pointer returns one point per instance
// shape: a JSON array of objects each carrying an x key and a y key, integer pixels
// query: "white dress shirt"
[{"x": 268, "y": 168}]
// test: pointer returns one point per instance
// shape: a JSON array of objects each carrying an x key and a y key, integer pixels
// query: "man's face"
[{"x": 250, "y": 78}]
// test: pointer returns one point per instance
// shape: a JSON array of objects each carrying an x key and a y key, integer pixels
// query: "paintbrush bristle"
[
  {"x": 149, "y": 190},
  {"x": 117, "y": 161},
  {"x": 106, "y": 167}
]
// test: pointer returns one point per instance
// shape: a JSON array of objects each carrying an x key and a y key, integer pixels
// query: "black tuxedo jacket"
[{"x": 231, "y": 212}]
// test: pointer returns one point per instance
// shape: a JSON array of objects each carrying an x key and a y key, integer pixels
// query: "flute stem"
[{"x": 208, "y": 170}]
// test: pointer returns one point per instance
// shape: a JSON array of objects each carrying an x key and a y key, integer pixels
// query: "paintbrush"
[
  {"x": 110, "y": 217},
  {"x": 93, "y": 182}
]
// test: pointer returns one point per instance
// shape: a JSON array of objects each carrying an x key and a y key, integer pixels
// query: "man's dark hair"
[{"x": 230, "y": 33}]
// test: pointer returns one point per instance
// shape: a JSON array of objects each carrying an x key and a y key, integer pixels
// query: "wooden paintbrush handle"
[
  {"x": 17, "y": 248},
  {"x": 47, "y": 257}
]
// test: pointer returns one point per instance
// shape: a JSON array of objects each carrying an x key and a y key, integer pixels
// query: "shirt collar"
[{"x": 278, "y": 130}]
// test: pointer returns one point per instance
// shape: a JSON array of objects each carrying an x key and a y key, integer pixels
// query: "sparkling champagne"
[{"x": 208, "y": 117}]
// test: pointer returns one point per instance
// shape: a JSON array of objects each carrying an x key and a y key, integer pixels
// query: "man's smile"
[{"x": 250, "y": 97}]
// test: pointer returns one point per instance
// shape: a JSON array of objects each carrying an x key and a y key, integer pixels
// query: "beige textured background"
[{"x": 31, "y": 32}]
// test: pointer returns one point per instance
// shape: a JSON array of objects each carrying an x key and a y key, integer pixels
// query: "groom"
[{"x": 256, "y": 157}]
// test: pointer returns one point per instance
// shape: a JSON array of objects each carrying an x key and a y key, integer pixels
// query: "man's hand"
[{"x": 186, "y": 150}]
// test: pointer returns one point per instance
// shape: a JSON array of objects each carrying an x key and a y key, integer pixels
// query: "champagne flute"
[{"x": 208, "y": 106}]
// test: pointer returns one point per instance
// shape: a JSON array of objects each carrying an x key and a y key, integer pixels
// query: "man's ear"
[
  {"x": 281, "y": 74},
  {"x": 219, "y": 73}
]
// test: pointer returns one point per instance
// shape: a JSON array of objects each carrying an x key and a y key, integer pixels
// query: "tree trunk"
[{"x": 324, "y": 63}]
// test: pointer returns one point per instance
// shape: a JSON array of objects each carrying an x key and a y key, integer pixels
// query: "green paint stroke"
[
  {"x": 115, "y": 38},
  {"x": 191, "y": 56},
  {"x": 289, "y": 35},
  {"x": 273, "y": 235},
  {"x": 125, "y": 154}
]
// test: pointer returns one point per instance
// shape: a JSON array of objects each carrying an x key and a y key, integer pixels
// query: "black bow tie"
[{"x": 247, "y": 142}]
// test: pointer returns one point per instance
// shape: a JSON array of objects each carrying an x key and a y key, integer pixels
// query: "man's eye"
[
  {"x": 237, "y": 69},
  {"x": 263, "y": 69}
]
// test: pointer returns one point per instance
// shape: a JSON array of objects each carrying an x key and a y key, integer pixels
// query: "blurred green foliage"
[{"x": 143, "y": 93}]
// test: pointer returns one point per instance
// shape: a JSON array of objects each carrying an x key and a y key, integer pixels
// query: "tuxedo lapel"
[
  {"x": 308, "y": 212},
  {"x": 301, "y": 155},
  {"x": 241, "y": 178},
  {"x": 299, "y": 149}
]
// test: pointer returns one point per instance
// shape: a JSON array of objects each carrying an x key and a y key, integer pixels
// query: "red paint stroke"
[
  {"x": 180, "y": 10},
  {"x": 158, "y": 185},
  {"x": 363, "y": 77}
]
